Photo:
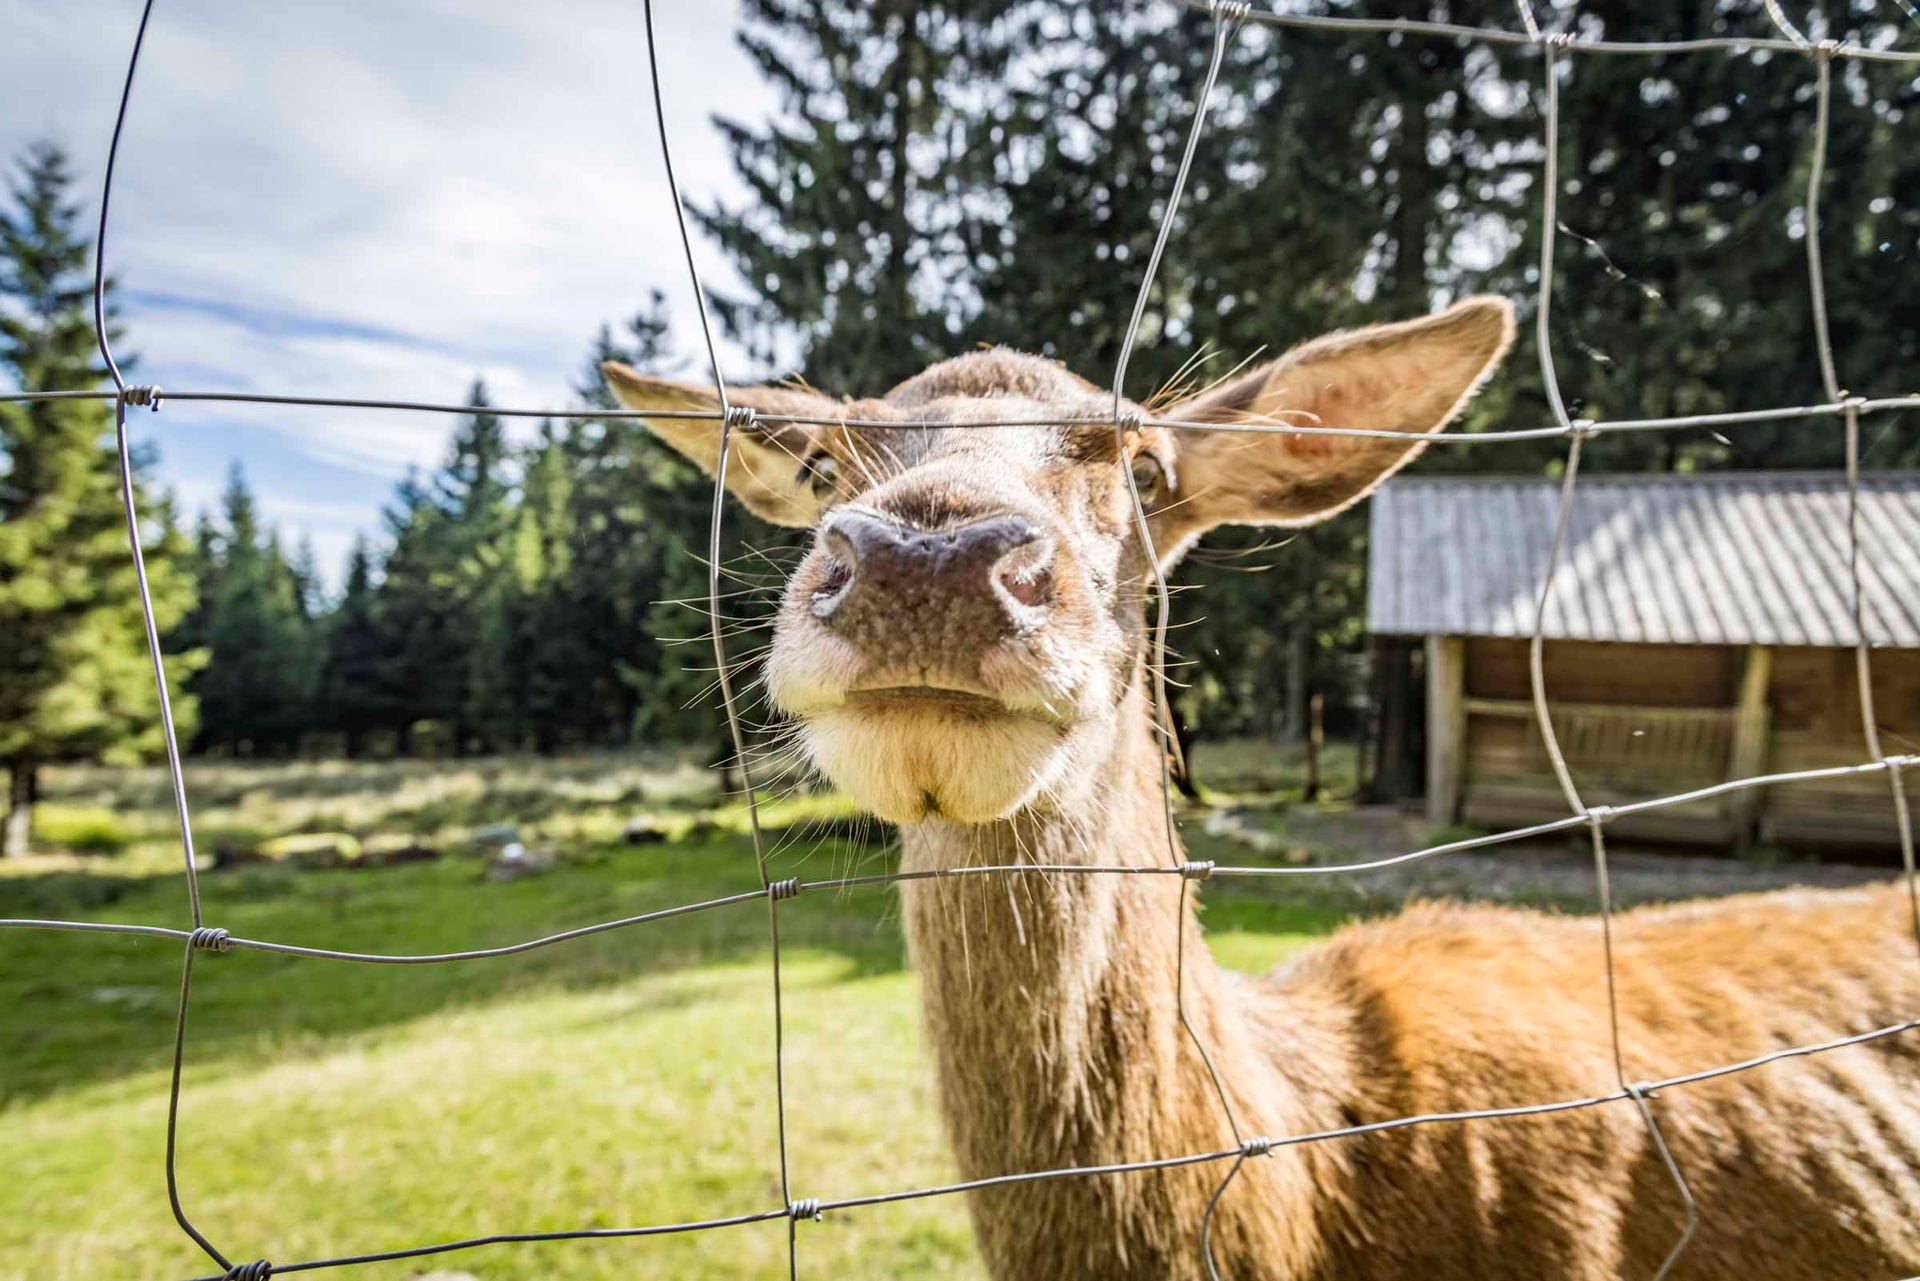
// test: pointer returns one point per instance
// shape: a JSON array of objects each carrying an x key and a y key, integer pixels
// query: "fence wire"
[{"x": 1226, "y": 19}]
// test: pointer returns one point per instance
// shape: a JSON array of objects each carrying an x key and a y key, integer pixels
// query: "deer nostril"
[
  {"x": 1031, "y": 586},
  {"x": 834, "y": 577}
]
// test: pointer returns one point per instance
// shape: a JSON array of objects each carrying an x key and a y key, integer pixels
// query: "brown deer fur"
[{"x": 1050, "y": 998}]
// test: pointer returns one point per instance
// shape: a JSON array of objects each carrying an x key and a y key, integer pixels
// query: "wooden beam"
[
  {"x": 1446, "y": 726},
  {"x": 1752, "y": 727},
  {"x": 1522, "y": 709}
]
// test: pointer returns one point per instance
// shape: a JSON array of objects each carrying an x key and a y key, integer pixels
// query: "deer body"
[
  {"x": 1049, "y": 1006},
  {"x": 965, "y": 651}
]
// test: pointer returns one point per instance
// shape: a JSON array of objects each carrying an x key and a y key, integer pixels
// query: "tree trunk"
[
  {"x": 1295, "y": 710},
  {"x": 1316, "y": 739},
  {"x": 1183, "y": 759},
  {"x": 727, "y": 765},
  {"x": 1409, "y": 226},
  {"x": 23, "y": 789},
  {"x": 1398, "y": 747}
]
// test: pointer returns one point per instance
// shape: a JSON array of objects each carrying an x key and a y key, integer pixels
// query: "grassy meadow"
[{"x": 623, "y": 1078}]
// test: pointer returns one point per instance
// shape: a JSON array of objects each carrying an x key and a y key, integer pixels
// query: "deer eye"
[
  {"x": 823, "y": 477},
  {"x": 1149, "y": 480}
]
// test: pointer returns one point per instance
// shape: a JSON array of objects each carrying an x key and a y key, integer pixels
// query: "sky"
[{"x": 374, "y": 198}]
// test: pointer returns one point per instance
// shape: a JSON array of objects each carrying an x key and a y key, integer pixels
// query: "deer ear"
[
  {"x": 767, "y": 463},
  {"x": 1411, "y": 377}
]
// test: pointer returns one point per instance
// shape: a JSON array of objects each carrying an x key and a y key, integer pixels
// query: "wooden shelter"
[{"x": 1700, "y": 630}]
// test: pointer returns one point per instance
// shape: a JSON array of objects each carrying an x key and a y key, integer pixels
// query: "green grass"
[
  {"x": 81, "y": 829},
  {"x": 619, "y": 1079}
]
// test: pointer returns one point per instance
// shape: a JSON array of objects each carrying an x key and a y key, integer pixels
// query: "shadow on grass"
[
  {"x": 83, "y": 1009},
  {"x": 88, "y": 1008}
]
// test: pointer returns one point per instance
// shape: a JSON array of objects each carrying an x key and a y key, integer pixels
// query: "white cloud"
[{"x": 378, "y": 198}]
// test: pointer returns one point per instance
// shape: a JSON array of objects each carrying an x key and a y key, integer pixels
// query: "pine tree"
[
  {"x": 554, "y": 665},
  {"x": 1683, "y": 260},
  {"x": 474, "y": 490},
  {"x": 75, "y": 680},
  {"x": 626, "y": 533},
  {"x": 414, "y": 618},
  {"x": 354, "y": 700},
  {"x": 864, "y": 192},
  {"x": 443, "y": 602},
  {"x": 307, "y": 591},
  {"x": 263, "y": 654}
]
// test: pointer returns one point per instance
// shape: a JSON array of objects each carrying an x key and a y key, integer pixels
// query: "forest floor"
[{"x": 622, "y": 1078}]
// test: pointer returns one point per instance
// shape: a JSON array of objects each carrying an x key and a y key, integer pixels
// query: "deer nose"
[{"x": 973, "y": 582}]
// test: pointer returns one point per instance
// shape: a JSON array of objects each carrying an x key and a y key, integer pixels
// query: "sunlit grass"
[{"x": 620, "y": 1079}]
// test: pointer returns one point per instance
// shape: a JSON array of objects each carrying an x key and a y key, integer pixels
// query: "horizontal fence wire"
[
  {"x": 1227, "y": 18},
  {"x": 1192, "y": 870},
  {"x": 152, "y": 396},
  {"x": 218, "y": 940}
]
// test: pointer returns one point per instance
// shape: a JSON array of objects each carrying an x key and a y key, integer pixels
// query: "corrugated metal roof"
[{"x": 1729, "y": 558}]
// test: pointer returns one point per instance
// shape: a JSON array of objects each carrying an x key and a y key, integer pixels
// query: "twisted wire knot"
[
  {"x": 741, "y": 418},
  {"x": 1131, "y": 420},
  {"x": 1582, "y": 428},
  {"x": 1559, "y": 41},
  {"x": 1256, "y": 1147},
  {"x": 1197, "y": 870},
  {"x": 1640, "y": 1090},
  {"x": 1828, "y": 49},
  {"x": 784, "y": 889},
  {"x": 1230, "y": 10},
  {"x": 150, "y": 396},
  {"x": 1852, "y": 404},
  {"x": 258, "y": 1270},
  {"x": 808, "y": 1208},
  {"x": 1599, "y": 815},
  {"x": 210, "y": 938}
]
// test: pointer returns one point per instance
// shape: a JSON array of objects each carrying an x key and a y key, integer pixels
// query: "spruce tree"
[
  {"x": 475, "y": 491},
  {"x": 256, "y": 691},
  {"x": 416, "y": 623},
  {"x": 1683, "y": 258},
  {"x": 555, "y": 667},
  {"x": 866, "y": 188},
  {"x": 354, "y": 699},
  {"x": 75, "y": 679},
  {"x": 627, "y": 532},
  {"x": 443, "y": 605}
]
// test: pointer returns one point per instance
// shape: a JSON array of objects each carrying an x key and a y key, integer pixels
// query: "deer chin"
[{"x": 912, "y": 755}]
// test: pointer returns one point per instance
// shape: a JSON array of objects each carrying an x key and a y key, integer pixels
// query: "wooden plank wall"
[
  {"x": 1816, "y": 722},
  {"x": 1813, "y": 720},
  {"x": 1614, "y": 759}
]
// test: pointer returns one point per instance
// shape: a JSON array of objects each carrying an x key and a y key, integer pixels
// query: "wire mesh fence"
[{"x": 1554, "y": 49}]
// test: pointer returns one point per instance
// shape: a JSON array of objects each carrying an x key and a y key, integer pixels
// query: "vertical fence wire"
[
  {"x": 1850, "y": 414},
  {"x": 1536, "y": 645},
  {"x": 123, "y": 397},
  {"x": 1227, "y": 18},
  {"x": 730, "y": 418}
]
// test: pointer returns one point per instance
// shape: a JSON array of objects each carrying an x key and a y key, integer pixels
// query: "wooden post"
[
  {"x": 1316, "y": 738},
  {"x": 23, "y": 792},
  {"x": 1395, "y": 735},
  {"x": 1446, "y": 726},
  {"x": 1752, "y": 726}
]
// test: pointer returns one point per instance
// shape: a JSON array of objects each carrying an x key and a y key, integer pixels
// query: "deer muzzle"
[{"x": 934, "y": 598}]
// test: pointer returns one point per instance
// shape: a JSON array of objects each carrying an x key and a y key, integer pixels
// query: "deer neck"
[{"x": 1051, "y": 1010}]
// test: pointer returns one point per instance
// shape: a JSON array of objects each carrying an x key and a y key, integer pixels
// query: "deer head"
[{"x": 963, "y": 636}]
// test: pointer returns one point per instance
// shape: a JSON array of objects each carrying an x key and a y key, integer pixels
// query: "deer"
[{"x": 965, "y": 649}]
